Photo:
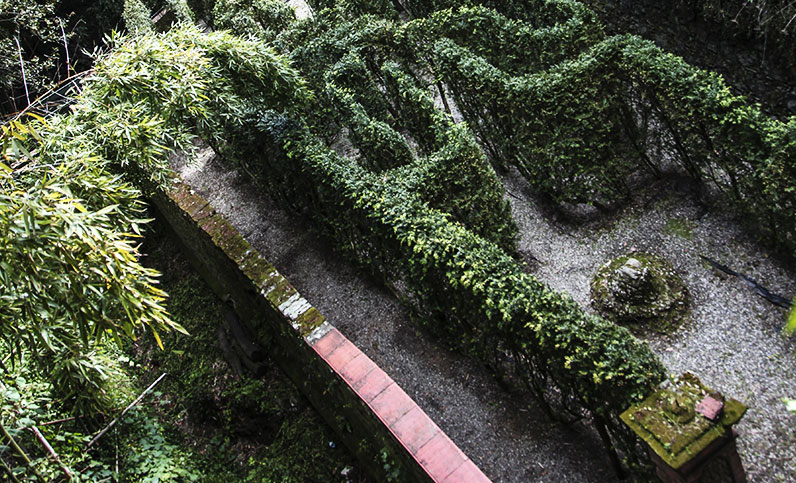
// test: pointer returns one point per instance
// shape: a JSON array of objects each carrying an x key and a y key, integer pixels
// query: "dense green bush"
[
  {"x": 259, "y": 18},
  {"x": 37, "y": 29},
  {"x": 579, "y": 128},
  {"x": 137, "y": 18},
  {"x": 462, "y": 286},
  {"x": 28, "y": 398},
  {"x": 562, "y": 128},
  {"x": 428, "y": 226},
  {"x": 54, "y": 37},
  {"x": 517, "y": 46},
  {"x": 69, "y": 222},
  {"x": 543, "y": 90},
  {"x": 547, "y": 12}
]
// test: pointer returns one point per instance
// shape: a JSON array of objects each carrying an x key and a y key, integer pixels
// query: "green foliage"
[
  {"x": 149, "y": 455},
  {"x": 240, "y": 428},
  {"x": 464, "y": 287},
  {"x": 137, "y": 17},
  {"x": 255, "y": 18},
  {"x": 380, "y": 146},
  {"x": 202, "y": 9},
  {"x": 181, "y": 10},
  {"x": 578, "y": 121},
  {"x": 547, "y": 34},
  {"x": 49, "y": 54},
  {"x": 428, "y": 224},
  {"x": 36, "y": 28},
  {"x": 68, "y": 223},
  {"x": 69, "y": 269},
  {"x": 28, "y": 398},
  {"x": 389, "y": 115}
]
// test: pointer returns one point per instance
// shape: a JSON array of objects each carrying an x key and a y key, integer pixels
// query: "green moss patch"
[
  {"x": 680, "y": 227},
  {"x": 668, "y": 421}
]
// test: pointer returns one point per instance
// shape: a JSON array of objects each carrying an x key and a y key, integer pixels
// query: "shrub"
[
  {"x": 70, "y": 275},
  {"x": 257, "y": 18},
  {"x": 577, "y": 129},
  {"x": 462, "y": 286}
]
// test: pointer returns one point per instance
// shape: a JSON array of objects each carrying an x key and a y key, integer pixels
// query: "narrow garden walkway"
[{"x": 508, "y": 439}]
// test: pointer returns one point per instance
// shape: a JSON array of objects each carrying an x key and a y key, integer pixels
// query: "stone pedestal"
[{"x": 688, "y": 431}]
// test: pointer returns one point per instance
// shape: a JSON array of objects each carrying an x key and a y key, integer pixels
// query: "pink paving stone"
[
  {"x": 328, "y": 343},
  {"x": 710, "y": 407},
  {"x": 372, "y": 385},
  {"x": 414, "y": 429},
  {"x": 342, "y": 355},
  {"x": 391, "y": 404},
  {"x": 440, "y": 457},
  {"x": 466, "y": 473},
  {"x": 359, "y": 367}
]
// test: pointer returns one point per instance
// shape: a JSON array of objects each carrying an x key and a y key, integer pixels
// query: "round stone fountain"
[{"x": 642, "y": 290}]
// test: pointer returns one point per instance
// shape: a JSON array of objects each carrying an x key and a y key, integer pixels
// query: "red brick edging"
[{"x": 442, "y": 460}]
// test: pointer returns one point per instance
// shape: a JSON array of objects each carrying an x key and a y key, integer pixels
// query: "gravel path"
[
  {"x": 508, "y": 440},
  {"x": 732, "y": 339}
]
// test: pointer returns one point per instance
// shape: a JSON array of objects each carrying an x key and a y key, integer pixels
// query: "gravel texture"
[
  {"x": 508, "y": 439},
  {"x": 732, "y": 338}
]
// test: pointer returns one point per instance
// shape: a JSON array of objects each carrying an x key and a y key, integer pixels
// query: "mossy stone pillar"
[{"x": 688, "y": 431}]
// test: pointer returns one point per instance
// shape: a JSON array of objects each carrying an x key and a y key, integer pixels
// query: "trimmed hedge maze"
[{"x": 413, "y": 196}]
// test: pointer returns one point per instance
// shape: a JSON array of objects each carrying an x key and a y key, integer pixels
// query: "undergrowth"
[{"x": 239, "y": 428}]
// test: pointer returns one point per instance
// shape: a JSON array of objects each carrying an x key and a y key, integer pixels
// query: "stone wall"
[{"x": 375, "y": 419}]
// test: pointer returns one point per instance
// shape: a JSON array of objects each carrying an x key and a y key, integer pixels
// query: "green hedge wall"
[
  {"x": 578, "y": 129},
  {"x": 462, "y": 286},
  {"x": 515, "y": 46},
  {"x": 542, "y": 89}
]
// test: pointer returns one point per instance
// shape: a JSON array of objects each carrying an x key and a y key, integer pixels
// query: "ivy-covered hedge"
[
  {"x": 259, "y": 18},
  {"x": 389, "y": 116},
  {"x": 542, "y": 89},
  {"x": 516, "y": 46},
  {"x": 578, "y": 129},
  {"x": 463, "y": 287}
]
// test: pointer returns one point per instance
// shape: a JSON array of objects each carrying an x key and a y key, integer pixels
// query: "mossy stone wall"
[{"x": 282, "y": 322}]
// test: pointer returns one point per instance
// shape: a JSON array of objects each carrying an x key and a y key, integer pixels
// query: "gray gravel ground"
[
  {"x": 508, "y": 440},
  {"x": 732, "y": 339}
]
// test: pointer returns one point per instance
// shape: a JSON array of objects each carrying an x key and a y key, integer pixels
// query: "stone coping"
[{"x": 383, "y": 415}]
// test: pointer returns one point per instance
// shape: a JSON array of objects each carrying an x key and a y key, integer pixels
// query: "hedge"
[
  {"x": 515, "y": 46},
  {"x": 579, "y": 129},
  {"x": 462, "y": 286},
  {"x": 542, "y": 89}
]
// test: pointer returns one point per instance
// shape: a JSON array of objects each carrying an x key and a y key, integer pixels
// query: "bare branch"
[
  {"x": 50, "y": 450},
  {"x": 137, "y": 400},
  {"x": 22, "y": 66}
]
